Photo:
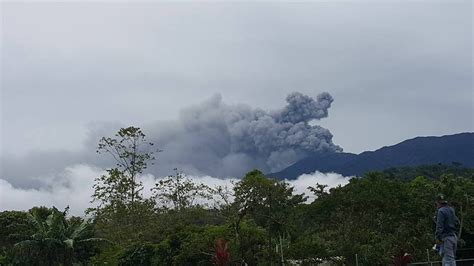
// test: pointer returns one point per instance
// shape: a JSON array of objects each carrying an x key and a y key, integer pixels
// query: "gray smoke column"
[
  {"x": 228, "y": 140},
  {"x": 302, "y": 108},
  {"x": 211, "y": 138}
]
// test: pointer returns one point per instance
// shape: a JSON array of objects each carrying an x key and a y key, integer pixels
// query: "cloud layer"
[
  {"x": 73, "y": 187},
  {"x": 403, "y": 63}
]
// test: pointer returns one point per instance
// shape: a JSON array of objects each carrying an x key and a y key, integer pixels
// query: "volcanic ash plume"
[
  {"x": 209, "y": 139},
  {"x": 227, "y": 140}
]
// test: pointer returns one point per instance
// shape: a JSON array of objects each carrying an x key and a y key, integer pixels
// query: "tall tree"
[
  {"x": 132, "y": 153},
  {"x": 269, "y": 203},
  {"x": 118, "y": 193}
]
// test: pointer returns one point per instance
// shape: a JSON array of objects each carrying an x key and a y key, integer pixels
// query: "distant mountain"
[{"x": 457, "y": 149}]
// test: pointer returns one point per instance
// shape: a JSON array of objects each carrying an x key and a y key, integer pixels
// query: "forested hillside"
[
  {"x": 457, "y": 150},
  {"x": 376, "y": 217}
]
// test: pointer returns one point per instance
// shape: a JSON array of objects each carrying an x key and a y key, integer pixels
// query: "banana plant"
[{"x": 56, "y": 240}]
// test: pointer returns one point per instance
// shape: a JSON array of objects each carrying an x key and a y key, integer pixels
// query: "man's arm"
[{"x": 439, "y": 224}]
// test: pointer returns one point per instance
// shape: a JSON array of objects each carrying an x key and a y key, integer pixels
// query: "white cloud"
[
  {"x": 302, "y": 183},
  {"x": 73, "y": 187}
]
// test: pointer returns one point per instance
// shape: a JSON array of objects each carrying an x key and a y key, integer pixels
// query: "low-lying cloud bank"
[
  {"x": 73, "y": 187},
  {"x": 302, "y": 183}
]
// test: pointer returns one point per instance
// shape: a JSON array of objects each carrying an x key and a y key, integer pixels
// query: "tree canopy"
[{"x": 259, "y": 221}]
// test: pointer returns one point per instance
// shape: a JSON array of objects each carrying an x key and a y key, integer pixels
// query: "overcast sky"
[{"x": 396, "y": 69}]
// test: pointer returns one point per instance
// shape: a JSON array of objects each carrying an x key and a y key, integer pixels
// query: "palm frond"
[
  {"x": 78, "y": 230},
  {"x": 96, "y": 240},
  {"x": 69, "y": 243},
  {"x": 27, "y": 243}
]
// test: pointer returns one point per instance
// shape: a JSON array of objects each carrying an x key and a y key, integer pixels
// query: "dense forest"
[{"x": 375, "y": 220}]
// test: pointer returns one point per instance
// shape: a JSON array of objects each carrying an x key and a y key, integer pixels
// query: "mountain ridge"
[{"x": 446, "y": 149}]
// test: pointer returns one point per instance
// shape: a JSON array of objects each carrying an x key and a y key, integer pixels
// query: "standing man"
[{"x": 446, "y": 228}]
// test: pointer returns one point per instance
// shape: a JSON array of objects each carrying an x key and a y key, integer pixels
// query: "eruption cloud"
[
  {"x": 228, "y": 140},
  {"x": 210, "y": 142},
  {"x": 209, "y": 139}
]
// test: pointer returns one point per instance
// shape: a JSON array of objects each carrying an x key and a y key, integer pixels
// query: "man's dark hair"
[{"x": 441, "y": 199}]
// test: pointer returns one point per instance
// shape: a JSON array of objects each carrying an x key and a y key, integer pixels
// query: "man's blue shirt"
[{"x": 446, "y": 222}]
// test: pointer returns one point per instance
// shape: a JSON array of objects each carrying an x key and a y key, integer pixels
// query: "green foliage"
[
  {"x": 11, "y": 224},
  {"x": 179, "y": 192},
  {"x": 127, "y": 148},
  {"x": 119, "y": 188},
  {"x": 109, "y": 255},
  {"x": 432, "y": 172},
  {"x": 269, "y": 203},
  {"x": 139, "y": 254},
  {"x": 378, "y": 217},
  {"x": 55, "y": 240},
  {"x": 122, "y": 213}
]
